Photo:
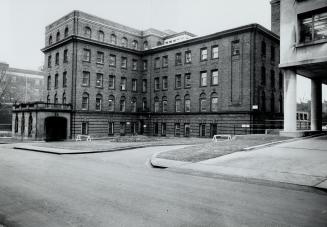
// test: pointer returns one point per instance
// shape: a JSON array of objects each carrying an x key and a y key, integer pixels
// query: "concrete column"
[
  {"x": 289, "y": 101},
  {"x": 316, "y": 105}
]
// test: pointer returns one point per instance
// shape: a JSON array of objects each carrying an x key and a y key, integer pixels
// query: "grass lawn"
[{"x": 215, "y": 149}]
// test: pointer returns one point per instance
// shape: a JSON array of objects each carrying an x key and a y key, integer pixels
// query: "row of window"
[
  {"x": 264, "y": 51},
  {"x": 56, "y": 81},
  {"x": 58, "y": 36},
  {"x": 272, "y": 78},
  {"x": 56, "y": 98},
  {"x": 65, "y": 58}
]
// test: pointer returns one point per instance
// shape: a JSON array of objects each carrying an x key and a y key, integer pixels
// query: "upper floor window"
[
  {"x": 313, "y": 26},
  {"x": 112, "y": 60},
  {"x": 64, "y": 98},
  {"x": 144, "y": 104},
  {"x": 178, "y": 59},
  {"x": 187, "y": 80},
  {"x": 214, "y": 77},
  {"x": 66, "y": 32},
  {"x": 111, "y": 106},
  {"x": 99, "y": 80},
  {"x": 164, "y": 83},
  {"x": 101, "y": 36},
  {"x": 124, "y": 42},
  {"x": 203, "y": 79},
  {"x": 203, "y": 103},
  {"x": 203, "y": 54},
  {"x": 214, "y": 52},
  {"x": 156, "y": 84},
  {"x": 144, "y": 85},
  {"x": 49, "y": 83},
  {"x": 178, "y": 81},
  {"x": 214, "y": 102},
  {"x": 145, "y": 65},
  {"x": 134, "y": 84},
  {"x": 157, "y": 63},
  {"x": 58, "y": 36},
  {"x": 112, "y": 81},
  {"x": 122, "y": 106},
  {"x": 66, "y": 55},
  {"x": 187, "y": 103},
  {"x": 156, "y": 105},
  {"x": 188, "y": 57},
  {"x": 87, "y": 32},
  {"x": 100, "y": 57},
  {"x": 48, "y": 99},
  {"x": 134, "y": 64},
  {"x": 113, "y": 39},
  {"x": 263, "y": 75},
  {"x": 263, "y": 49},
  {"x": 86, "y": 78},
  {"x": 165, "y": 61},
  {"x": 145, "y": 45},
  {"x": 134, "y": 104},
  {"x": 87, "y": 55},
  {"x": 177, "y": 103},
  {"x": 64, "y": 79},
  {"x": 55, "y": 99},
  {"x": 235, "y": 47},
  {"x": 85, "y": 101},
  {"x": 135, "y": 45},
  {"x": 49, "y": 61},
  {"x": 272, "y": 79},
  {"x": 123, "y": 62},
  {"x": 50, "y": 40},
  {"x": 164, "y": 104},
  {"x": 123, "y": 83},
  {"x": 56, "y": 80},
  {"x": 57, "y": 59},
  {"x": 98, "y": 102}
]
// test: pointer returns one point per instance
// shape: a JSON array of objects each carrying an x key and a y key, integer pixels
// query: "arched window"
[
  {"x": 16, "y": 123},
  {"x": 177, "y": 103},
  {"x": 122, "y": 104},
  {"x": 55, "y": 99},
  {"x": 156, "y": 105},
  {"x": 164, "y": 104},
  {"x": 98, "y": 102},
  {"x": 263, "y": 101},
  {"x": 159, "y": 43},
  {"x": 263, "y": 49},
  {"x": 30, "y": 125},
  {"x": 144, "y": 104},
  {"x": 48, "y": 99},
  {"x": 134, "y": 104},
  {"x": 214, "y": 102},
  {"x": 64, "y": 98},
  {"x": 101, "y": 36},
  {"x": 85, "y": 101},
  {"x": 124, "y": 42},
  {"x": 145, "y": 45},
  {"x": 56, "y": 80},
  {"x": 113, "y": 39},
  {"x": 203, "y": 102},
  {"x": 49, "y": 83},
  {"x": 50, "y": 39},
  {"x": 66, "y": 32},
  {"x": 111, "y": 105},
  {"x": 87, "y": 32},
  {"x": 58, "y": 36},
  {"x": 272, "y": 103},
  {"x": 187, "y": 103},
  {"x": 134, "y": 44}
]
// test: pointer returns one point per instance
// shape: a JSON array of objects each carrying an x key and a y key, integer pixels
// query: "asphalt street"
[{"x": 121, "y": 189}]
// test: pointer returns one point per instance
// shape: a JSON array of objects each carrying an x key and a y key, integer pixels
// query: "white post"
[
  {"x": 316, "y": 105},
  {"x": 289, "y": 101}
]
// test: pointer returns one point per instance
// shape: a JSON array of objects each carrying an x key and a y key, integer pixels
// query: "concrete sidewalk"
[{"x": 302, "y": 162}]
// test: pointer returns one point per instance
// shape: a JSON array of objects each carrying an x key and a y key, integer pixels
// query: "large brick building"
[{"x": 120, "y": 80}]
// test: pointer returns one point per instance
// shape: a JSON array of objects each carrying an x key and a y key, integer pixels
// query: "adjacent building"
[{"x": 103, "y": 78}]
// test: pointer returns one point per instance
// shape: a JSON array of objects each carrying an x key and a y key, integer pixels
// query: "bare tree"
[{"x": 4, "y": 80}]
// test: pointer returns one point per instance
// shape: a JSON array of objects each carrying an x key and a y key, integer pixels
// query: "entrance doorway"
[
  {"x": 213, "y": 129},
  {"x": 55, "y": 128}
]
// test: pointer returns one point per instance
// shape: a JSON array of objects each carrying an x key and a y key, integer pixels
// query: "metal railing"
[{"x": 42, "y": 105}]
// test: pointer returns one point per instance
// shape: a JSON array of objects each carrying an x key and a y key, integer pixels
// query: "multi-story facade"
[
  {"x": 303, "y": 31},
  {"x": 119, "y": 80}
]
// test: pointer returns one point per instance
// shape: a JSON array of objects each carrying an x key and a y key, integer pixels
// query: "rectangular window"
[
  {"x": 156, "y": 84},
  {"x": 100, "y": 57},
  {"x": 112, "y": 81},
  {"x": 272, "y": 53},
  {"x": 64, "y": 79},
  {"x": 86, "y": 78},
  {"x": 235, "y": 47},
  {"x": 49, "y": 61},
  {"x": 123, "y": 83},
  {"x": 56, "y": 81},
  {"x": 87, "y": 55},
  {"x": 123, "y": 62},
  {"x": 155, "y": 129},
  {"x": 165, "y": 61},
  {"x": 214, "y": 104},
  {"x": 187, "y": 80},
  {"x": 111, "y": 128},
  {"x": 214, "y": 52},
  {"x": 57, "y": 59},
  {"x": 203, "y": 82},
  {"x": 164, "y": 83},
  {"x": 112, "y": 60},
  {"x": 177, "y": 105},
  {"x": 187, "y": 130},
  {"x": 164, "y": 106},
  {"x": 214, "y": 77},
  {"x": 156, "y": 106},
  {"x": 178, "y": 59},
  {"x": 187, "y": 105},
  {"x": 145, "y": 65},
  {"x": 85, "y": 103},
  {"x": 203, "y": 105},
  {"x": 188, "y": 57},
  {"x": 203, "y": 54},
  {"x": 65, "y": 55},
  {"x": 134, "y": 64},
  {"x": 313, "y": 26},
  {"x": 157, "y": 63},
  {"x": 144, "y": 85},
  {"x": 85, "y": 128},
  {"x": 177, "y": 129},
  {"x": 134, "y": 84},
  {"x": 178, "y": 81},
  {"x": 202, "y": 130},
  {"x": 163, "y": 129},
  {"x": 99, "y": 80},
  {"x": 49, "y": 83}
]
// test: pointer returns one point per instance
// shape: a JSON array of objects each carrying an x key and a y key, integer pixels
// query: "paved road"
[{"x": 120, "y": 189}]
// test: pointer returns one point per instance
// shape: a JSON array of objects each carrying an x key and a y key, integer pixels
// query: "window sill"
[
  {"x": 299, "y": 45},
  {"x": 100, "y": 63},
  {"x": 203, "y": 60},
  {"x": 188, "y": 87},
  {"x": 101, "y": 87},
  {"x": 114, "y": 66}
]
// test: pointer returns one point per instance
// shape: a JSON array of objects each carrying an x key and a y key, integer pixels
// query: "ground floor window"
[
  {"x": 213, "y": 129},
  {"x": 202, "y": 130},
  {"x": 177, "y": 129},
  {"x": 85, "y": 128},
  {"x": 187, "y": 130},
  {"x": 30, "y": 125},
  {"x": 122, "y": 130},
  {"x": 23, "y": 124},
  {"x": 134, "y": 128},
  {"x": 111, "y": 128},
  {"x": 155, "y": 129},
  {"x": 163, "y": 129}
]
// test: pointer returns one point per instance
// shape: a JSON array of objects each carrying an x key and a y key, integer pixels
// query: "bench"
[
  {"x": 80, "y": 137},
  {"x": 227, "y": 136}
]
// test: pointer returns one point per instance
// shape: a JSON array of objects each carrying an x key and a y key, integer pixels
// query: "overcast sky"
[{"x": 23, "y": 22}]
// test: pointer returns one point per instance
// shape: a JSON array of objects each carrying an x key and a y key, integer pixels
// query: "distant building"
[{"x": 104, "y": 78}]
